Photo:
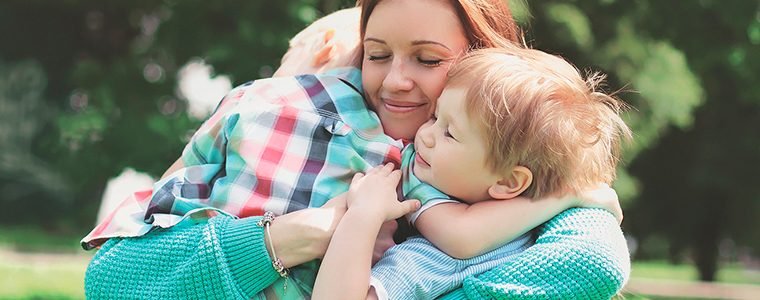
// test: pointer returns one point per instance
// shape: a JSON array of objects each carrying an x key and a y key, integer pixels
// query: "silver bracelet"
[{"x": 266, "y": 222}]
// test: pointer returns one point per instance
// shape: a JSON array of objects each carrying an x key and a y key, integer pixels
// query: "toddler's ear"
[
  {"x": 513, "y": 185},
  {"x": 325, "y": 52}
]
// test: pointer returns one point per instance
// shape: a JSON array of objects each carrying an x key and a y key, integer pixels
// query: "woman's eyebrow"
[
  {"x": 414, "y": 43},
  {"x": 376, "y": 40},
  {"x": 427, "y": 42}
]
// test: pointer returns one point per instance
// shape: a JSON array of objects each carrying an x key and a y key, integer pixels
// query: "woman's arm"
[
  {"x": 221, "y": 257},
  {"x": 579, "y": 254}
]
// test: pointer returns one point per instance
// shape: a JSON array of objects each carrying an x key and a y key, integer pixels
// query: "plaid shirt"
[{"x": 279, "y": 144}]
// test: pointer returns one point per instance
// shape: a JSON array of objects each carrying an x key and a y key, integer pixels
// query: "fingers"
[
  {"x": 389, "y": 227},
  {"x": 409, "y": 206},
  {"x": 618, "y": 214},
  {"x": 386, "y": 168},
  {"x": 381, "y": 170},
  {"x": 357, "y": 177},
  {"x": 395, "y": 176}
]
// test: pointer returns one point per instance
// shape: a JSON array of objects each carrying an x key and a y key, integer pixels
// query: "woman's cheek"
[{"x": 434, "y": 84}]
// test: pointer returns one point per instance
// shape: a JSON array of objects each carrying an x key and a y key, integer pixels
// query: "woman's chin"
[
  {"x": 400, "y": 133},
  {"x": 401, "y": 128}
]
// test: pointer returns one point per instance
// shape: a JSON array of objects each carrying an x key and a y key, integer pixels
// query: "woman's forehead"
[{"x": 431, "y": 20}]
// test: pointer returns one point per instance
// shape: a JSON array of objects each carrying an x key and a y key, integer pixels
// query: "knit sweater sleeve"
[
  {"x": 217, "y": 258},
  {"x": 579, "y": 254}
]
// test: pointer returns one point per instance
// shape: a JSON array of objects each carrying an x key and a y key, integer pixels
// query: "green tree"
[
  {"x": 109, "y": 73},
  {"x": 690, "y": 72}
]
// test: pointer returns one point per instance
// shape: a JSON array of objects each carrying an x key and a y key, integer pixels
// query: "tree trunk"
[
  {"x": 706, "y": 255},
  {"x": 706, "y": 239}
]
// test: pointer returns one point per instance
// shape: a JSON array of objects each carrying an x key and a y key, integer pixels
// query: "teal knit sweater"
[{"x": 579, "y": 254}]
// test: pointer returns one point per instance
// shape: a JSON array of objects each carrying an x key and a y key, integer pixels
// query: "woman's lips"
[
  {"x": 420, "y": 161},
  {"x": 401, "y": 107}
]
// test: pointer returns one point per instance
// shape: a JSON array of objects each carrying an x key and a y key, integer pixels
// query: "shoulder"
[{"x": 349, "y": 75}]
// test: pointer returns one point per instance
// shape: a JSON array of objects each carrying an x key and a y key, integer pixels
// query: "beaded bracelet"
[{"x": 265, "y": 222}]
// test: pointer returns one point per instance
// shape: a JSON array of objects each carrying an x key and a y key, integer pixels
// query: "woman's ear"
[{"x": 513, "y": 185}]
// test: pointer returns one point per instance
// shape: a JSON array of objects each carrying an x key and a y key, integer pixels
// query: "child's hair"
[
  {"x": 336, "y": 33},
  {"x": 540, "y": 113}
]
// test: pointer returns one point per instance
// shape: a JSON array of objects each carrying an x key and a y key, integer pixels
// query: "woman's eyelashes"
[
  {"x": 377, "y": 57},
  {"x": 427, "y": 62}
]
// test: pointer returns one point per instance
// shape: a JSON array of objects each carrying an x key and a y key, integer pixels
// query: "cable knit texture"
[
  {"x": 579, "y": 254},
  {"x": 223, "y": 258}
]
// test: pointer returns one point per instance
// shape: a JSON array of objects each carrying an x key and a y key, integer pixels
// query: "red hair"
[{"x": 486, "y": 23}]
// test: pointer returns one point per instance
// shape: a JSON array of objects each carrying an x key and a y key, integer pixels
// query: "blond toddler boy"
[{"x": 511, "y": 122}]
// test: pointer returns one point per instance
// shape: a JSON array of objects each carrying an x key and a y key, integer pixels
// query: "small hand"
[
  {"x": 374, "y": 194},
  {"x": 602, "y": 197}
]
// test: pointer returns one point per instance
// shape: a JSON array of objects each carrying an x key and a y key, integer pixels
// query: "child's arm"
[
  {"x": 464, "y": 231},
  {"x": 372, "y": 200}
]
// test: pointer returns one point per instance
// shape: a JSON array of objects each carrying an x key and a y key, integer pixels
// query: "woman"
[{"x": 403, "y": 72}]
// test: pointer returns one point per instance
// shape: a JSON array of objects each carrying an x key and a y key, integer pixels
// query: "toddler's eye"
[{"x": 447, "y": 133}]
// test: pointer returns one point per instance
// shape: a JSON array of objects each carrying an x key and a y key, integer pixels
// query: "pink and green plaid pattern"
[{"x": 279, "y": 144}]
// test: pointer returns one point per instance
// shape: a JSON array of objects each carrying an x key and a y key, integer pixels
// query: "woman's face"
[{"x": 409, "y": 46}]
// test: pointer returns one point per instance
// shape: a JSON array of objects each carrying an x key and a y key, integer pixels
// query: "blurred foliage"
[
  {"x": 690, "y": 71},
  {"x": 94, "y": 85},
  {"x": 88, "y": 88}
]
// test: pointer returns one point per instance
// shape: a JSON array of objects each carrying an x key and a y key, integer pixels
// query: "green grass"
[
  {"x": 685, "y": 272},
  {"x": 37, "y": 275},
  {"x": 29, "y": 277},
  {"x": 36, "y": 240},
  {"x": 35, "y": 264}
]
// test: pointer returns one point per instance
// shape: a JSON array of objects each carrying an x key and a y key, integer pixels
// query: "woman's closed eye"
[
  {"x": 429, "y": 62},
  {"x": 378, "y": 57}
]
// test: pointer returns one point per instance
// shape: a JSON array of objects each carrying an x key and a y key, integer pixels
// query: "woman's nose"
[{"x": 397, "y": 79}]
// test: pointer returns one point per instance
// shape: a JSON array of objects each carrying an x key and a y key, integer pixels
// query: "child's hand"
[
  {"x": 374, "y": 194},
  {"x": 602, "y": 197}
]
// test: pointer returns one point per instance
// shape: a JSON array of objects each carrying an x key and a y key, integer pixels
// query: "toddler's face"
[{"x": 451, "y": 150}]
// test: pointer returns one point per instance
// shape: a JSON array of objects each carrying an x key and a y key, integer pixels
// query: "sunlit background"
[{"x": 95, "y": 90}]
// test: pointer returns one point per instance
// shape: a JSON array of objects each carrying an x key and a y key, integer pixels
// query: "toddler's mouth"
[{"x": 419, "y": 160}]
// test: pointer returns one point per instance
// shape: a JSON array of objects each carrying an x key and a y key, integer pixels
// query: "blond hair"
[
  {"x": 338, "y": 31},
  {"x": 539, "y": 112}
]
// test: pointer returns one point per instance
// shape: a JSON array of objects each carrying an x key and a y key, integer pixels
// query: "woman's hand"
[
  {"x": 304, "y": 235},
  {"x": 384, "y": 240},
  {"x": 602, "y": 197},
  {"x": 374, "y": 195}
]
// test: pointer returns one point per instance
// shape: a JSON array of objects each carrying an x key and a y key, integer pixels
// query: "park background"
[{"x": 89, "y": 89}]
